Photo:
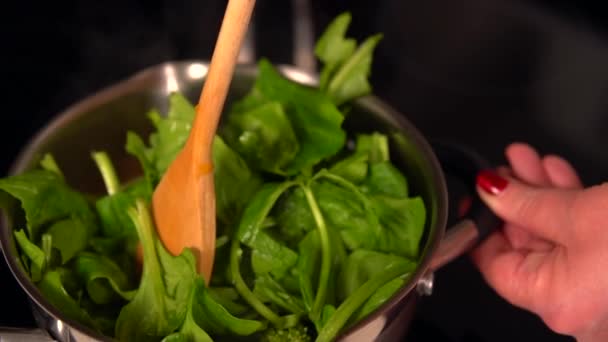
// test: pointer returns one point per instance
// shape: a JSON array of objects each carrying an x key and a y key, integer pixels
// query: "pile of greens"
[{"x": 315, "y": 230}]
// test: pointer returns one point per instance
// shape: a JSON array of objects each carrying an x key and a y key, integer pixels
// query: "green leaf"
[
  {"x": 179, "y": 276},
  {"x": 293, "y": 215},
  {"x": 333, "y": 49},
  {"x": 352, "y": 168},
  {"x": 215, "y": 319},
  {"x": 105, "y": 281},
  {"x": 375, "y": 145},
  {"x": 380, "y": 297},
  {"x": 136, "y": 147},
  {"x": 362, "y": 265},
  {"x": 69, "y": 237},
  {"x": 235, "y": 183},
  {"x": 347, "y": 308},
  {"x": 269, "y": 290},
  {"x": 345, "y": 72},
  {"x": 328, "y": 311},
  {"x": 258, "y": 209},
  {"x": 48, "y": 163},
  {"x": 228, "y": 298},
  {"x": 264, "y": 136},
  {"x": 190, "y": 331},
  {"x": 315, "y": 119},
  {"x": 160, "y": 303},
  {"x": 45, "y": 198},
  {"x": 347, "y": 211},
  {"x": 271, "y": 256},
  {"x": 34, "y": 254},
  {"x": 112, "y": 211},
  {"x": 171, "y": 132},
  {"x": 403, "y": 221},
  {"x": 350, "y": 81},
  {"x": 53, "y": 290},
  {"x": 385, "y": 179},
  {"x": 308, "y": 264}
]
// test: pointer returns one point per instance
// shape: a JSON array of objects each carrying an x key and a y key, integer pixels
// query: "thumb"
[{"x": 545, "y": 212}]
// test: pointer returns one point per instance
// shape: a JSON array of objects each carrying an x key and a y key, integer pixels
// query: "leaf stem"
[
  {"x": 244, "y": 290},
  {"x": 104, "y": 164},
  {"x": 319, "y": 301}
]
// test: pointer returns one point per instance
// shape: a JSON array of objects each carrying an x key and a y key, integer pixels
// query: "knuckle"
[{"x": 528, "y": 206}]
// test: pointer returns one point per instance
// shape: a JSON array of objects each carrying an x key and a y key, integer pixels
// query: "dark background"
[{"x": 477, "y": 72}]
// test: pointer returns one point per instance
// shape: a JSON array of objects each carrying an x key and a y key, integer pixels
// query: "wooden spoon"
[{"x": 184, "y": 201}]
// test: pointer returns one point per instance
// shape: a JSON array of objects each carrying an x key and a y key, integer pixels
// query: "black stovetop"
[{"x": 477, "y": 72}]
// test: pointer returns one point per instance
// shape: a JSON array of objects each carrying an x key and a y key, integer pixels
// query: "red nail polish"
[{"x": 491, "y": 182}]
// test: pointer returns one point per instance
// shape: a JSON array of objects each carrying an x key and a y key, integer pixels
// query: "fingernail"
[{"x": 491, "y": 182}]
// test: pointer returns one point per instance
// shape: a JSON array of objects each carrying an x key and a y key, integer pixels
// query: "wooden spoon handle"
[{"x": 208, "y": 112}]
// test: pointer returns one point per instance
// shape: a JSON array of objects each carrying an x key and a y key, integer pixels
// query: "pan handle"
[{"x": 476, "y": 221}]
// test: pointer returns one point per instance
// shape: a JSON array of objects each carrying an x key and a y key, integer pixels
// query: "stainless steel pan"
[{"x": 101, "y": 121}]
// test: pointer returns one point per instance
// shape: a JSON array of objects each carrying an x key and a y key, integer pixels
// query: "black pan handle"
[{"x": 476, "y": 221}]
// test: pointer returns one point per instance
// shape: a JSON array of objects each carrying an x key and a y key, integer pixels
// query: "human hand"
[{"x": 551, "y": 257}]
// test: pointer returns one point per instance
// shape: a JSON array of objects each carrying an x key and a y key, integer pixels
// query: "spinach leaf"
[
  {"x": 269, "y": 290},
  {"x": 257, "y": 210},
  {"x": 159, "y": 306},
  {"x": 347, "y": 308},
  {"x": 328, "y": 311},
  {"x": 46, "y": 198},
  {"x": 333, "y": 49},
  {"x": 375, "y": 145},
  {"x": 190, "y": 331},
  {"x": 249, "y": 228},
  {"x": 307, "y": 266},
  {"x": 179, "y": 275},
  {"x": 344, "y": 75},
  {"x": 48, "y": 163},
  {"x": 385, "y": 179},
  {"x": 228, "y": 298},
  {"x": 362, "y": 265},
  {"x": 171, "y": 132},
  {"x": 352, "y": 168},
  {"x": 316, "y": 120},
  {"x": 69, "y": 237},
  {"x": 243, "y": 289},
  {"x": 215, "y": 319},
  {"x": 380, "y": 297},
  {"x": 105, "y": 281},
  {"x": 235, "y": 183},
  {"x": 347, "y": 211},
  {"x": 136, "y": 147},
  {"x": 113, "y": 216},
  {"x": 403, "y": 220},
  {"x": 271, "y": 256},
  {"x": 53, "y": 290},
  {"x": 293, "y": 215},
  {"x": 264, "y": 136},
  {"x": 36, "y": 256},
  {"x": 309, "y": 263}
]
